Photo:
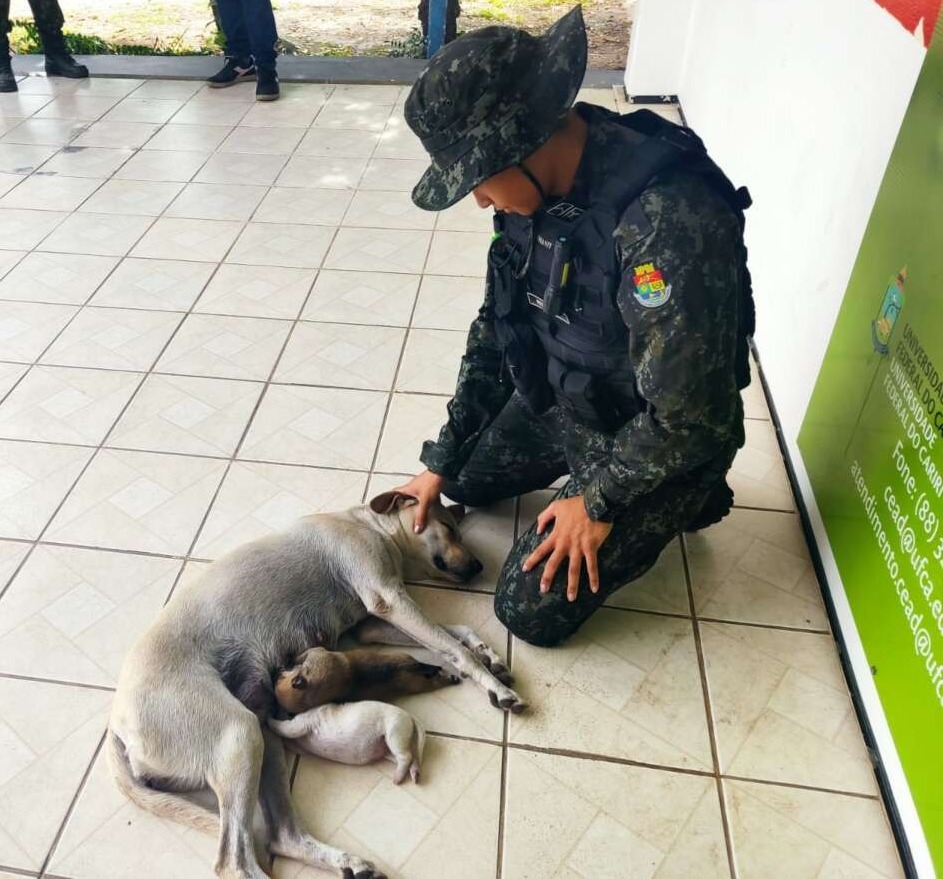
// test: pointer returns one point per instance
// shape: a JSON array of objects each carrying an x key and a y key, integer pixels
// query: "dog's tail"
[
  {"x": 162, "y": 804},
  {"x": 417, "y": 753}
]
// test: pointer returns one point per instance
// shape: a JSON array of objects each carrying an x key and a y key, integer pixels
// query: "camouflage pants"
[
  {"x": 49, "y": 21},
  {"x": 521, "y": 452}
]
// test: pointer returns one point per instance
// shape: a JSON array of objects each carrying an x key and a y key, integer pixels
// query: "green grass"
[{"x": 24, "y": 40}]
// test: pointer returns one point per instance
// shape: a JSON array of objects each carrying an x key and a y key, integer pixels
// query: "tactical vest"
[{"x": 554, "y": 277}]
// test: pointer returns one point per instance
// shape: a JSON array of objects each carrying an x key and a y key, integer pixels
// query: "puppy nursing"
[
  {"x": 321, "y": 676},
  {"x": 360, "y": 731}
]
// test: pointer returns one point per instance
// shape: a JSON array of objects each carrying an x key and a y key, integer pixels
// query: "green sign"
[{"x": 872, "y": 442}]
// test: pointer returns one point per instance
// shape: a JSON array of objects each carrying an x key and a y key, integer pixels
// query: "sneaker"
[
  {"x": 266, "y": 88},
  {"x": 62, "y": 64},
  {"x": 7, "y": 79},
  {"x": 715, "y": 508},
  {"x": 234, "y": 70}
]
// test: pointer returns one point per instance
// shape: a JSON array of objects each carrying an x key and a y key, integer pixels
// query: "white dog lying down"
[{"x": 358, "y": 733}]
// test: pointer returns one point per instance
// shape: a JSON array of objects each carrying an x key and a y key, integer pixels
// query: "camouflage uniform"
[
  {"x": 665, "y": 468},
  {"x": 49, "y": 22}
]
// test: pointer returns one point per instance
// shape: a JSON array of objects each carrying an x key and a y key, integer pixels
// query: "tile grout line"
[
  {"x": 756, "y": 509},
  {"x": 16, "y": 871},
  {"x": 38, "y": 680},
  {"x": 505, "y": 731},
  {"x": 806, "y": 787},
  {"x": 605, "y": 758},
  {"x": 773, "y": 626},
  {"x": 75, "y": 799},
  {"x": 504, "y": 778},
  {"x": 709, "y": 714},
  {"x": 455, "y": 276},
  {"x": 287, "y": 320}
]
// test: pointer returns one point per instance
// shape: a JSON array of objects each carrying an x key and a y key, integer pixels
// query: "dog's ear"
[
  {"x": 298, "y": 682},
  {"x": 390, "y": 501},
  {"x": 457, "y": 511}
]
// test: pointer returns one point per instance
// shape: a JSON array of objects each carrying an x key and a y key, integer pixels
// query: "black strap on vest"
[{"x": 533, "y": 179}]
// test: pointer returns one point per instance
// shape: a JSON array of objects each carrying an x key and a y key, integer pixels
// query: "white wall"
[
  {"x": 801, "y": 101},
  {"x": 657, "y": 46}
]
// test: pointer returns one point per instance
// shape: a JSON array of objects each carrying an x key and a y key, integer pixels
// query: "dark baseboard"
[{"x": 291, "y": 68}]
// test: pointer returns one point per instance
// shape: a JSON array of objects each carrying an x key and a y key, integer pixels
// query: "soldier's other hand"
[
  {"x": 426, "y": 487},
  {"x": 575, "y": 537}
]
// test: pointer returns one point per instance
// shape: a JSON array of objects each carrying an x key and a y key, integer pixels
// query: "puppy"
[
  {"x": 358, "y": 733},
  {"x": 320, "y": 676}
]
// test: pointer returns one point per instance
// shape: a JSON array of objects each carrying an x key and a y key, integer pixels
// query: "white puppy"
[{"x": 358, "y": 733}]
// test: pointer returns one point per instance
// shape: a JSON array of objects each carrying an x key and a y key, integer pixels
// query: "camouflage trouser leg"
[
  {"x": 518, "y": 453},
  {"x": 521, "y": 452},
  {"x": 637, "y": 538}
]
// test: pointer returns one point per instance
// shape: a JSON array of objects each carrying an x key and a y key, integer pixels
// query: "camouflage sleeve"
[
  {"x": 480, "y": 394},
  {"x": 678, "y": 295}
]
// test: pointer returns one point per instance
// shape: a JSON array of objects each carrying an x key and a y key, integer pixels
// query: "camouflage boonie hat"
[{"x": 489, "y": 99}]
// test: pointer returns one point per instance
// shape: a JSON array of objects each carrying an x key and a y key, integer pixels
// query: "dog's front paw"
[
  {"x": 491, "y": 661},
  {"x": 359, "y": 869},
  {"x": 507, "y": 700}
]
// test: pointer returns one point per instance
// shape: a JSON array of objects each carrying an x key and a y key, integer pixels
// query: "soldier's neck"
[{"x": 555, "y": 164}]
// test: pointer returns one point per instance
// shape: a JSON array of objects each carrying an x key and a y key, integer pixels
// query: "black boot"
[
  {"x": 266, "y": 86},
  {"x": 717, "y": 505},
  {"x": 63, "y": 64},
  {"x": 7, "y": 79}
]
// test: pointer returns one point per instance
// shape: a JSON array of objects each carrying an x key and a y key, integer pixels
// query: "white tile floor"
[{"x": 217, "y": 316}]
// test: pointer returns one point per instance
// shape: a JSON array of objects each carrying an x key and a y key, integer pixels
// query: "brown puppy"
[{"x": 321, "y": 676}]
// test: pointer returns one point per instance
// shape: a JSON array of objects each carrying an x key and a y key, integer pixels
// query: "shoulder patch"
[{"x": 649, "y": 286}]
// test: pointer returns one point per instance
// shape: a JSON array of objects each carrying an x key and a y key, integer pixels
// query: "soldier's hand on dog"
[
  {"x": 426, "y": 487},
  {"x": 575, "y": 537}
]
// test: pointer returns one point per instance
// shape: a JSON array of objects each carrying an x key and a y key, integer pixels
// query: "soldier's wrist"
[{"x": 597, "y": 507}]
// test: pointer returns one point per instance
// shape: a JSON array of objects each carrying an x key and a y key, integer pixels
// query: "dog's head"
[
  {"x": 438, "y": 551},
  {"x": 317, "y": 677}
]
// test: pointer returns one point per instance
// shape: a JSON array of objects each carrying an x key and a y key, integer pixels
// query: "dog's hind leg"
[
  {"x": 234, "y": 778},
  {"x": 287, "y": 838}
]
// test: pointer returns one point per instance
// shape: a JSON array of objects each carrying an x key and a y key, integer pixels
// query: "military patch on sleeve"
[{"x": 650, "y": 287}]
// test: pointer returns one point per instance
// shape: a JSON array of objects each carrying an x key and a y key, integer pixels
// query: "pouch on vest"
[{"x": 582, "y": 395}]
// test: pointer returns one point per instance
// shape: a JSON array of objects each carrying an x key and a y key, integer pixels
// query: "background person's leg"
[
  {"x": 239, "y": 66},
  {"x": 633, "y": 546},
  {"x": 7, "y": 79},
  {"x": 518, "y": 453},
  {"x": 260, "y": 24},
  {"x": 49, "y": 22},
  {"x": 231, "y": 15}
]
